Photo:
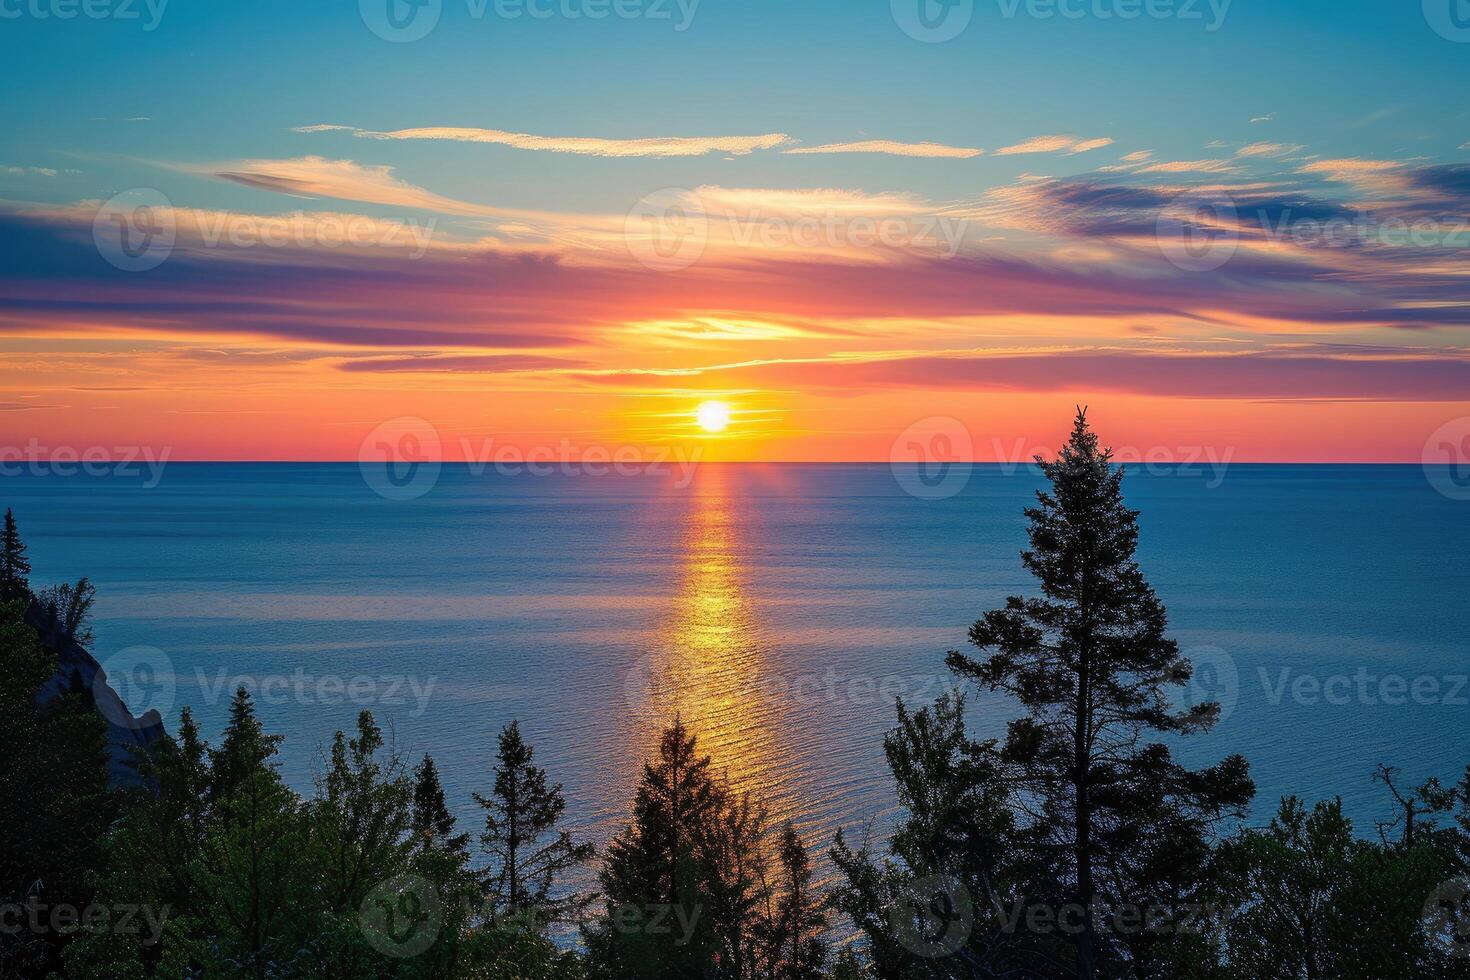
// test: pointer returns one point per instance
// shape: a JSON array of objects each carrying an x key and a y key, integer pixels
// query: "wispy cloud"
[
  {"x": 341, "y": 179},
  {"x": 1055, "y": 144},
  {"x": 461, "y": 364},
  {"x": 1188, "y": 167},
  {"x": 1268, "y": 117},
  {"x": 1283, "y": 373},
  {"x": 658, "y": 146},
  {"x": 894, "y": 148},
  {"x": 1266, "y": 149},
  {"x": 1137, "y": 156}
]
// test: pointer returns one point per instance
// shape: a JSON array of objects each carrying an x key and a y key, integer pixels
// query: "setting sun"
[{"x": 713, "y": 416}]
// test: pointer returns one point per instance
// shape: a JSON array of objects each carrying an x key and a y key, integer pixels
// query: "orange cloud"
[
  {"x": 894, "y": 148},
  {"x": 658, "y": 146}
]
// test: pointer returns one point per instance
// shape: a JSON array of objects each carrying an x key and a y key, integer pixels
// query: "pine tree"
[
  {"x": 529, "y": 854},
  {"x": 246, "y": 748},
  {"x": 256, "y": 899},
  {"x": 360, "y": 818},
  {"x": 1113, "y": 819},
  {"x": 794, "y": 931},
  {"x": 14, "y": 565},
  {"x": 433, "y": 824},
  {"x": 56, "y": 804},
  {"x": 684, "y": 881},
  {"x": 925, "y": 908}
]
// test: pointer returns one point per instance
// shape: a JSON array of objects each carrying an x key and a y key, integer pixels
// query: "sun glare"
[{"x": 713, "y": 416}]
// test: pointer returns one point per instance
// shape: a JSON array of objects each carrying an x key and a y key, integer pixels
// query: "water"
[{"x": 779, "y": 608}]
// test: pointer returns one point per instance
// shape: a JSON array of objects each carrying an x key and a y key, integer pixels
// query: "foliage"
[
  {"x": 68, "y": 608},
  {"x": 1107, "y": 820},
  {"x": 529, "y": 854}
]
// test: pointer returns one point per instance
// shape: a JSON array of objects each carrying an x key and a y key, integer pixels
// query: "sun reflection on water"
[{"x": 712, "y": 661}]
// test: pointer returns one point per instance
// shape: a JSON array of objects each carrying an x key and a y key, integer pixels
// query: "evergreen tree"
[
  {"x": 684, "y": 881},
  {"x": 433, "y": 824},
  {"x": 14, "y": 565},
  {"x": 529, "y": 854},
  {"x": 1110, "y": 820},
  {"x": 927, "y": 908},
  {"x": 56, "y": 804},
  {"x": 441, "y": 856},
  {"x": 796, "y": 948},
  {"x": 256, "y": 900},
  {"x": 152, "y": 859},
  {"x": 360, "y": 818}
]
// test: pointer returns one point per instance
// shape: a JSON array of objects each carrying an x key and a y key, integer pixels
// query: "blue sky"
[{"x": 523, "y": 257}]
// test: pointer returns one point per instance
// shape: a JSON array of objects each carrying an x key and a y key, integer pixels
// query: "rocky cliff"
[{"x": 75, "y": 665}]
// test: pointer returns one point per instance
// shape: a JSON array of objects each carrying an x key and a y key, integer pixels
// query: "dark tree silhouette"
[
  {"x": 684, "y": 881},
  {"x": 1109, "y": 817},
  {"x": 14, "y": 565},
  {"x": 68, "y": 608},
  {"x": 529, "y": 854},
  {"x": 433, "y": 824},
  {"x": 797, "y": 920}
]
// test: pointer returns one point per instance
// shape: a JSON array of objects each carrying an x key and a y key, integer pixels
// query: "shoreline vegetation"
[{"x": 1074, "y": 846}]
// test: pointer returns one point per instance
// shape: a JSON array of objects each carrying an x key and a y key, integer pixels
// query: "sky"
[{"x": 268, "y": 230}]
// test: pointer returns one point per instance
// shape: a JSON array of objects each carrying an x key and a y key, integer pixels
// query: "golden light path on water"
[{"x": 710, "y": 666}]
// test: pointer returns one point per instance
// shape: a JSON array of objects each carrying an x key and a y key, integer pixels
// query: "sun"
[{"x": 713, "y": 416}]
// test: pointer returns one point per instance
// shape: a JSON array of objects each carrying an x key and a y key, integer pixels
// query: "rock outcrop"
[{"x": 75, "y": 666}]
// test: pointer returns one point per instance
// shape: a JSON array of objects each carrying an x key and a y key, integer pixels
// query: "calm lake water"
[{"x": 779, "y": 608}]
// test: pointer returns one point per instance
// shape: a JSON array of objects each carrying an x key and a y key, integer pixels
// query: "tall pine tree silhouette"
[
  {"x": 1110, "y": 820},
  {"x": 14, "y": 565},
  {"x": 530, "y": 854}
]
